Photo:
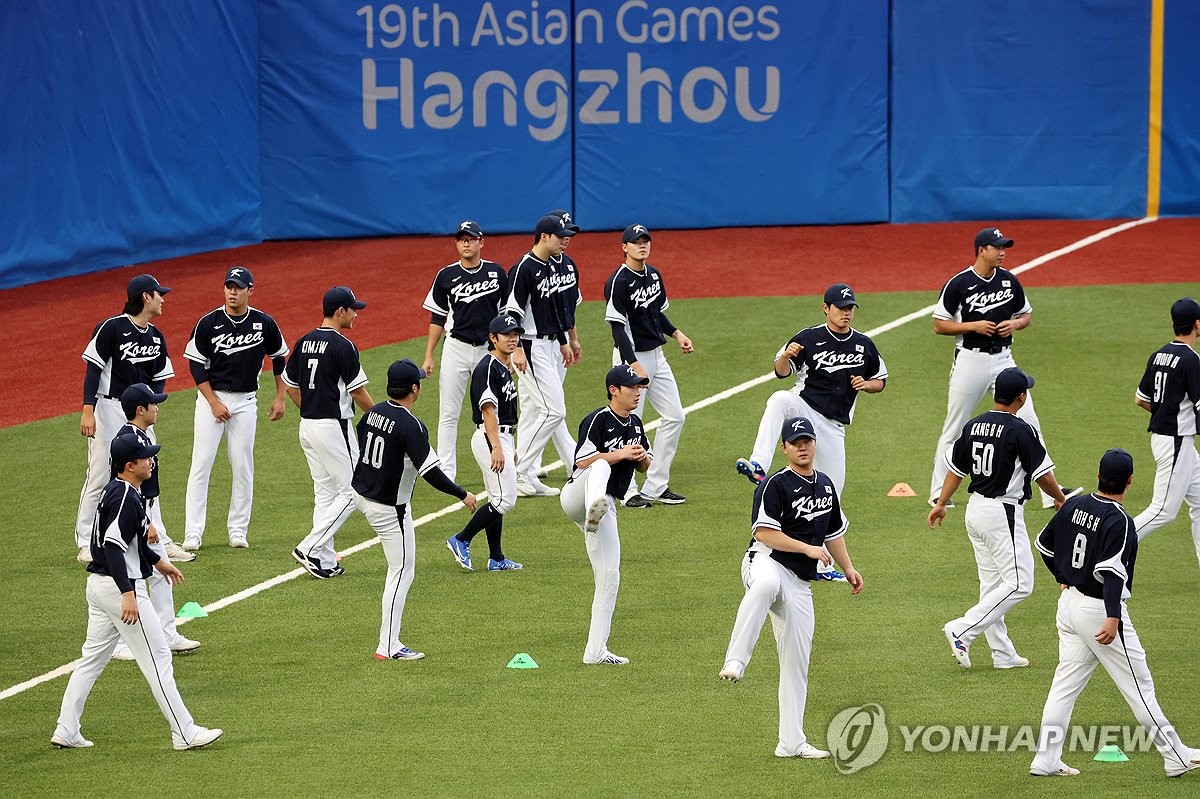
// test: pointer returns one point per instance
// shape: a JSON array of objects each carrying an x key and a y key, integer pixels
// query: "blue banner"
[{"x": 1180, "y": 194}]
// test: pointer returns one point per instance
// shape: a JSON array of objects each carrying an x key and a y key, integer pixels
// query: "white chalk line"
[{"x": 704, "y": 403}]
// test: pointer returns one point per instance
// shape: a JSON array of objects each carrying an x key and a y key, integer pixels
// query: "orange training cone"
[{"x": 902, "y": 490}]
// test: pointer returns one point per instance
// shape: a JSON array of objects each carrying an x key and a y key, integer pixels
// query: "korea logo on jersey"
[
  {"x": 1005, "y": 283},
  {"x": 257, "y": 326},
  {"x": 858, "y": 348}
]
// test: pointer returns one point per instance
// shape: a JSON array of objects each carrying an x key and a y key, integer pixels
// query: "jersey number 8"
[{"x": 1079, "y": 551}]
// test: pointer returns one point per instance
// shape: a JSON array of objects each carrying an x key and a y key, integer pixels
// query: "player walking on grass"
[
  {"x": 494, "y": 412},
  {"x": 325, "y": 380},
  {"x": 612, "y": 444},
  {"x": 124, "y": 350},
  {"x": 464, "y": 298},
  {"x": 118, "y": 604},
  {"x": 1001, "y": 453},
  {"x": 982, "y": 306},
  {"x": 796, "y": 523},
  {"x": 1090, "y": 547},
  {"x": 637, "y": 301},
  {"x": 1170, "y": 391},
  {"x": 225, "y": 357},
  {"x": 395, "y": 450}
]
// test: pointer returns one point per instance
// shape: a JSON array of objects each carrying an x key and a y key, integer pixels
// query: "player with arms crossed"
[
  {"x": 325, "y": 380},
  {"x": 464, "y": 298},
  {"x": 1090, "y": 547},
  {"x": 612, "y": 444},
  {"x": 395, "y": 450},
  {"x": 1170, "y": 391},
  {"x": 225, "y": 356},
  {"x": 494, "y": 411},
  {"x": 982, "y": 306},
  {"x": 796, "y": 522},
  {"x": 118, "y": 604},
  {"x": 637, "y": 300},
  {"x": 124, "y": 350},
  {"x": 1001, "y": 452}
]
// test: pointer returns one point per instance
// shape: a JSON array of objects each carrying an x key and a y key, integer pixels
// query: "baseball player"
[
  {"x": 494, "y": 411},
  {"x": 140, "y": 405},
  {"x": 1170, "y": 391},
  {"x": 1090, "y": 547},
  {"x": 612, "y": 444},
  {"x": 225, "y": 355},
  {"x": 124, "y": 350},
  {"x": 532, "y": 301},
  {"x": 464, "y": 298},
  {"x": 395, "y": 450},
  {"x": 796, "y": 522},
  {"x": 325, "y": 381},
  {"x": 982, "y": 306},
  {"x": 118, "y": 604},
  {"x": 1001, "y": 453},
  {"x": 637, "y": 301}
]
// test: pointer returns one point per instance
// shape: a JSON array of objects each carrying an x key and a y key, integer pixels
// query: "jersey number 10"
[{"x": 372, "y": 451}]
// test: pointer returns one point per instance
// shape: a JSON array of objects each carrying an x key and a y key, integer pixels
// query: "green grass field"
[{"x": 288, "y": 673}]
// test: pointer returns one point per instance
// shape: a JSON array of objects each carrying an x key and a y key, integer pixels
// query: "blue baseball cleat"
[
  {"x": 752, "y": 470},
  {"x": 461, "y": 551}
]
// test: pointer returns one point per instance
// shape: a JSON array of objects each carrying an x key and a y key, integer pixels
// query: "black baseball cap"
[
  {"x": 554, "y": 225},
  {"x": 240, "y": 276},
  {"x": 565, "y": 216},
  {"x": 1185, "y": 311},
  {"x": 1011, "y": 382},
  {"x": 633, "y": 233},
  {"x": 139, "y": 394},
  {"x": 404, "y": 373},
  {"x": 504, "y": 323},
  {"x": 340, "y": 297},
  {"x": 144, "y": 284},
  {"x": 992, "y": 236},
  {"x": 1116, "y": 465},
  {"x": 623, "y": 375},
  {"x": 840, "y": 295},
  {"x": 128, "y": 447},
  {"x": 797, "y": 427},
  {"x": 470, "y": 227}
]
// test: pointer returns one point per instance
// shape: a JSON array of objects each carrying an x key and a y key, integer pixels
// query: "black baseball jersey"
[
  {"x": 1171, "y": 385},
  {"x": 149, "y": 489},
  {"x": 231, "y": 349},
  {"x": 602, "y": 430},
  {"x": 465, "y": 300},
  {"x": 532, "y": 297},
  {"x": 566, "y": 283},
  {"x": 492, "y": 384},
  {"x": 1002, "y": 453},
  {"x": 121, "y": 519},
  {"x": 394, "y": 451},
  {"x": 1089, "y": 537},
  {"x": 637, "y": 300},
  {"x": 967, "y": 297},
  {"x": 825, "y": 365},
  {"x": 324, "y": 365},
  {"x": 804, "y": 508},
  {"x": 127, "y": 354}
]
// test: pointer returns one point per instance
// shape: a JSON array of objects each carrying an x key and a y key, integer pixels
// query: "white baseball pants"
[
  {"x": 394, "y": 527},
  {"x": 1079, "y": 618},
  {"x": 663, "y": 395},
  {"x": 162, "y": 593},
  {"x": 109, "y": 419},
  {"x": 331, "y": 450},
  {"x": 603, "y": 549},
  {"x": 830, "y": 454},
  {"x": 501, "y": 486},
  {"x": 775, "y": 590},
  {"x": 543, "y": 405},
  {"x": 972, "y": 375},
  {"x": 459, "y": 359},
  {"x": 1176, "y": 480},
  {"x": 239, "y": 432},
  {"x": 1004, "y": 561},
  {"x": 562, "y": 439},
  {"x": 149, "y": 647}
]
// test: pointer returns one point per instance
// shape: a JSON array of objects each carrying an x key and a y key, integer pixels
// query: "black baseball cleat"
[
  {"x": 669, "y": 497},
  {"x": 313, "y": 566},
  {"x": 638, "y": 501}
]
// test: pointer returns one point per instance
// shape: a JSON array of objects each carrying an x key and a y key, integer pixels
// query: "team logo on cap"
[
  {"x": 996, "y": 232},
  {"x": 641, "y": 230},
  {"x": 796, "y": 425},
  {"x": 465, "y": 225},
  {"x": 237, "y": 270},
  {"x": 566, "y": 219},
  {"x": 847, "y": 292},
  {"x": 508, "y": 320}
]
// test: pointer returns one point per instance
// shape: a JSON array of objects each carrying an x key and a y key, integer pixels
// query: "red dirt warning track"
[{"x": 393, "y": 275}]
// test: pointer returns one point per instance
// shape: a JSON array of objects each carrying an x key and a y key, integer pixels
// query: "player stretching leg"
[{"x": 796, "y": 522}]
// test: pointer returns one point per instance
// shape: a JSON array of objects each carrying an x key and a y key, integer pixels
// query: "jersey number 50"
[{"x": 983, "y": 455}]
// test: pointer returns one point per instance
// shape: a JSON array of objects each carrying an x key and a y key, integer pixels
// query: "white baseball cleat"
[
  {"x": 1063, "y": 770},
  {"x": 1192, "y": 765},
  {"x": 957, "y": 648},
  {"x": 178, "y": 554},
  {"x": 238, "y": 541},
  {"x": 70, "y": 743},
  {"x": 595, "y": 513},
  {"x": 122, "y": 652},
  {"x": 733, "y": 671},
  {"x": 84, "y": 555},
  {"x": 1018, "y": 663},
  {"x": 533, "y": 487},
  {"x": 806, "y": 751},
  {"x": 183, "y": 645},
  {"x": 191, "y": 542},
  {"x": 608, "y": 659},
  {"x": 201, "y": 737}
]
